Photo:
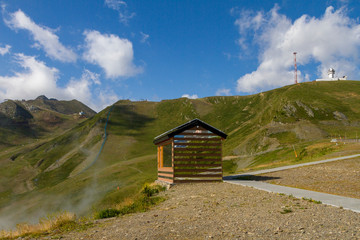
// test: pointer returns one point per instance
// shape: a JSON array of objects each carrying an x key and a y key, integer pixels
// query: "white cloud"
[
  {"x": 223, "y": 92},
  {"x": 333, "y": 40},
  {"x": 144, "y": 37},
  {"x": 36, "y": 80},
  {"x": 115, "y": 4},
  {"x": 39, "y": 79},
  {"x": 105, "y": 98},
  {"x": 115, "y": 55},
  {"x": 121, "y": 7},
  {"x": 194, "y": 96},
  {"x": 94, "y": 77},
  {"x": 248, "y": 19},
  {"x": 81, "y": 89},
  {"x": 43, "y": 36},
  {"x": 5, "y": 50}
]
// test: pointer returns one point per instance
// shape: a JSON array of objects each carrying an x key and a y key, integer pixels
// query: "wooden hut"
[{"x": 190, "y": 153}]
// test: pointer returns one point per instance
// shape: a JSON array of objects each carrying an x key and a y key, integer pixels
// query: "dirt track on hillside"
[
  {"x": 339, "y": 177},
  {"x": 227, "y": 211}
]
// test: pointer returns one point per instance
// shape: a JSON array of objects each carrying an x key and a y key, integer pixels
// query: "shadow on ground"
[{"x": 250, "y": 178}]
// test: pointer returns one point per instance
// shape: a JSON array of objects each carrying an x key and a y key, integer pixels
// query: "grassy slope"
[
  {"x": 262, "y": 132},
  {"x": 258, "y": 123}
]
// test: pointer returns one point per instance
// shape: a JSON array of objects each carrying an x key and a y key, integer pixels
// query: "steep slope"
[
  {"x": 69, "y": 172},
  {"x": 14, "y": 122}
]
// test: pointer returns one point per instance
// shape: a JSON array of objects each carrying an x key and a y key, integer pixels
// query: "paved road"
[{"x": 329, "y": 199}]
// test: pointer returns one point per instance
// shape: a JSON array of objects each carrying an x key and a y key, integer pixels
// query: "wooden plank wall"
[
  {"x": 166, "y": 174},
  {"x": 197, "y": 156}
]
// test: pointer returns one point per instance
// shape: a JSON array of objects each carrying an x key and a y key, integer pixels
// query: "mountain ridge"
[{"x": 37, "y": 118}]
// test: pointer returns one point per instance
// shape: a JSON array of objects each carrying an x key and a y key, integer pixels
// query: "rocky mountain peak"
[{"x": 41, "y": 97}]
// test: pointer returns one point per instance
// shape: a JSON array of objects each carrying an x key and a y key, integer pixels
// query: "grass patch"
[
  {"x": 229, "y": 166},
  {"x": 56, "y": 176},
  {"x": 286, "y": 210},
  {"x": 312, "y": 200},
  {"x": 93, "y": 141},
  {"x": 54, "y": 223},
  {"x": 285, "y": 137},
  {"x": 306, "y": 152},
  {"x": 142, "y": 203},
  {"x": 269, "y": 157}
]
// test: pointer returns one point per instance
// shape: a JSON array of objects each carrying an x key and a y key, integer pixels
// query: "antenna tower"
[{"x": 295, "y": 68}]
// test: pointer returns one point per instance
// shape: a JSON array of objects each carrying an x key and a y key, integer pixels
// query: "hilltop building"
[
  {"x": 331, "y": 74},
  {"x": 82, "y": 114}
]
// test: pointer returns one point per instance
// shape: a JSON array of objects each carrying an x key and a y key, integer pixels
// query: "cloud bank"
[
  {"x": 332, "y": 40},
  {"x": 38, "y": 79},
  {"x": 44, "y": 37},
  {"x": 194, "y": 96},
  {"x": 223, "y": 92}
]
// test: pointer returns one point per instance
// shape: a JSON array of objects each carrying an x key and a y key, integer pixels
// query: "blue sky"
[{"x": 101, "y": 51}]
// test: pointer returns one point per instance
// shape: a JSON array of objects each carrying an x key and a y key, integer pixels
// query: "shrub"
[
  {"x": 141, "y": 203},
  {"x": 150, "y": 190},
  {"x": 107, "y": 213},
  {"x": 286, "y": 210}
]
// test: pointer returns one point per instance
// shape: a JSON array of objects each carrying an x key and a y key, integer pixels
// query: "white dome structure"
[{"x": 331, "y": 74}]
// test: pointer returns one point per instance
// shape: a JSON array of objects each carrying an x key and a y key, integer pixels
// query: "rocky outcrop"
[
  {"x": 289, "y": 110},
  {"x": 339, "y": 116},
  {"x": 307, "y": 109},
  {"x": 15, "y": 111}
]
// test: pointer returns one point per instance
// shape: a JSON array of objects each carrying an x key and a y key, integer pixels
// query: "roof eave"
[{"x": 187, "y": 125}]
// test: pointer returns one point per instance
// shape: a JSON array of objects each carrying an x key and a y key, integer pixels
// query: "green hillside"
[{"x": 66, "y": 172}]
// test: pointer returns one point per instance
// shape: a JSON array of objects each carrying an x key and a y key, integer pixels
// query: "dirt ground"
[
  {"x": 339, "y": 177},
  {"x": 227, "y": 211}
]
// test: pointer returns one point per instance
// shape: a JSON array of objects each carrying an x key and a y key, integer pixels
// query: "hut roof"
[{"x": 185, "y": 126}]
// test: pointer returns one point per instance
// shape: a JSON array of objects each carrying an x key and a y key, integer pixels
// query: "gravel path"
[
  {"x": 227, "y": 211},
  {"x": 352, "y": 204},
  {"x": 339, "y": 178}
]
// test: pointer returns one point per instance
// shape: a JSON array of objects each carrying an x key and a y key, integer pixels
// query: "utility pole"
[{"x": 295, "y": 68}]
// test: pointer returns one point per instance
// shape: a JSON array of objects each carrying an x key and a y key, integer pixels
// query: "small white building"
[{"x": 331, "y": 74}]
